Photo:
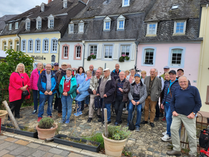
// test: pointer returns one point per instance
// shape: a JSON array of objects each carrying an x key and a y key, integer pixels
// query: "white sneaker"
[
  {"x": 164, "y": 133},
  {"x": 166, "y": 138}
]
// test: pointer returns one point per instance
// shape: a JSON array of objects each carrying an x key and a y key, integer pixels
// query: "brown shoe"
[
  {"x": 59, "y": 115},
  {"x": 173, "y": 152}
]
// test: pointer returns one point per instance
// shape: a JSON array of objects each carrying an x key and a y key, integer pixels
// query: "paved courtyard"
[{"x": 147, "y": 142}]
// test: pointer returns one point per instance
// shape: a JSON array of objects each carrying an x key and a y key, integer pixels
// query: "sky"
[{"x": 10, "y": 7}]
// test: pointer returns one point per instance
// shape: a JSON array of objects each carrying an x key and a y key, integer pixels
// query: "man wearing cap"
[
  {"x": 169, "y": 88},
  {"x": 184, "y": 105},
  {"x": 166, "y": 69},
  {"x": 137, "y": 96},
  {"x": 153, "y": 85},
  {"x": 56, "y": 68},
  {"x": 106, "y": 91},
  {"x": 59, "y": 74}
]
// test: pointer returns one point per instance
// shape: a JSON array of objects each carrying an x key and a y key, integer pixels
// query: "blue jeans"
[
  {"x": 35, "y": 99},
  {"x": 87, "y": 99},
  {"x": 139, "y": 113},
  {"x": 66, "y": 106},
  {"x": 108, "y": 107},
  {"x": 168, "y": 117},
  {"x": 43, "y": 99}
]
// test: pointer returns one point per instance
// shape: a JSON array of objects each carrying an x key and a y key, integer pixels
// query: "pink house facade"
[{"x": 183, "y": 55}]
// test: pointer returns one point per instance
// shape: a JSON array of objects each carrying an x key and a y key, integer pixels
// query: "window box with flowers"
[
  {"x": 91, "y": 56},
  {"x": 123, "y": 58}
]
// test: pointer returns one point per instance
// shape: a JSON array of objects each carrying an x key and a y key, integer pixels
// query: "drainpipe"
[
  {"x": 19, "y": 42},
  {"x": 59, "y": 51},
  {"x": 137, "y": 43},
  {"x": 83, "y": 51}
]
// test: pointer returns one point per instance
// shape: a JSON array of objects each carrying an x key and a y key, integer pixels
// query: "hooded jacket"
[{"x": 126, "y": 89}]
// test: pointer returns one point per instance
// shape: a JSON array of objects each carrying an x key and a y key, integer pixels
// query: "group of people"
[{"x": 102, "y": 88}]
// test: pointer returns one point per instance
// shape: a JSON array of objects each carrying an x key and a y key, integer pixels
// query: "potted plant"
[
  {"x": 3, "y": 114},
  {"x": 46, "y": 128},
  {"x": 116, "y": 140},
  {"x": 123, "y": 58},
  {"x": 91, "y": 56}
]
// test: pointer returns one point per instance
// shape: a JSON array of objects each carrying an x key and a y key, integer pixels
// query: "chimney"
[{"x": 49, "y": 1}]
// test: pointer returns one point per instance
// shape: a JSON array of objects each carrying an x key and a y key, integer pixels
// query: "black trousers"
[
  {"x": 16, "y": 105},
  {"x": 157, "y": 114},
  {"x": 119, "y": 104},
  {"x": 56, "y": 102},
  {"x": 59, "y": 105}
]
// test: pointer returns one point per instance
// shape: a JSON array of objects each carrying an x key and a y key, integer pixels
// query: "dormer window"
[
  {"x": 10, "y": 26},
  {"x": 81, "y": 27},
  {"x": 125, "y": 3},
  {"x": 42, "y": 7},
  {"x": 27, "y": 24},
  {"x": 121, "y": 22},
  {"x": 107, "y": 24},
  {"x": 16, "y": 25},
  {"x": 51, "y": 21},
  {"x": 64, "y": 3},
  {"x": 71, "y": 28},
  {"x": 179, "y": 27},
  {"x": 38, "y": 23},
  {"x": 152, "y": 29}
]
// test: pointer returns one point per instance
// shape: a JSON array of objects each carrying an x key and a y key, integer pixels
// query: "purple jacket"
[{"x": 34, "y": 79}]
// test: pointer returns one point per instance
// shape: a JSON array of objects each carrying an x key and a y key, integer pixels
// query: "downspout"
[
  {"x": 59, "y": 51},
  {"x": 83, "y": 51},
  {"x": 137, "y": 43},
  {"x": 19, "y": 42}
]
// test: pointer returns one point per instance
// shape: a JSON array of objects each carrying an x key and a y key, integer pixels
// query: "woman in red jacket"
[{"x": 18, "y": 83}]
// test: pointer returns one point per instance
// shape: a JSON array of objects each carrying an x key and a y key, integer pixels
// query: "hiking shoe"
[
  {"x": 77, "y": 114},
  {"x": 34, "y": 111},
  {"x": 80, "y": 113},
  {"x": 164, "y": 133},
  {"x": 100, "y": 120},
  {"x": 89, "y": 120},
  {"x": 67, "y": 121},
  {"x": 166, "y": 138},
  {"x": 173, "y": 152},
  {"x": 137, "y": 129},
  {"x": 156, "y": 119},
  {"x": 62, "y": 121},
  {"x": 39, "y": 118},
  {"x": 152, "y": 124},
  {"x": 144, "y": 122},
  {"x": 116, "y": 123}
]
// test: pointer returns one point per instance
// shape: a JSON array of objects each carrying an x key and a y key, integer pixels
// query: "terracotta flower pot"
[
  {"x": 46, "y": 133},
  {"x": 113, "y": 147},
  {"x": 3, "y": 114}
]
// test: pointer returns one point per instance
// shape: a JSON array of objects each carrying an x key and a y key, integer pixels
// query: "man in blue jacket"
[
  {"x": 47, "y": 86},
  {"x": 184, "y": 106}
]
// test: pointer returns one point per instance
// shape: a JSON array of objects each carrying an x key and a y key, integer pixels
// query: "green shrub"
[
  {"x": 118, "y": 133},
  {"x": 97, "y": 138},
  {"x": 46, "y": 123}
]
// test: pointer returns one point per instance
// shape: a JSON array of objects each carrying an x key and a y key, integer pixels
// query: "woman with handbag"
[{"x": 18, "y": 89}]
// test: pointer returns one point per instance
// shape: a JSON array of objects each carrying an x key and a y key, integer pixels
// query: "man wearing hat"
[
  {"x": 137, "y": 96},
  {"x": 59, "y": 74},
  {"x": 166, "y": 69},
  {"x": 106, "y": 91},
  {"x": 169, "y": 88}
]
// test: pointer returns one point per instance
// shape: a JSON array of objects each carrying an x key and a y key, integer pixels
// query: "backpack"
[{"x": 97, "y": 103}]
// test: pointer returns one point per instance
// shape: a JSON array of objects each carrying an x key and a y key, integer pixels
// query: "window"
[
  {"x": 10, "y": 45},
  {"x": 27, "y": 24},
  {"x": 107, "y": 24},
  {"x": 5, "y": 46},
  {"x": 179, "y": 27},
  {"x": 45, "y": 45},
  {"x": 152, "y": 29},
  {"x": 78, "y": 52},
  {"x": 121, "y": 22},
  {"x": 16, "y": 25},
  {"x": 10, "y": 26},
  {"x": 38, "y": 45},
  {"x": 125, "y": 50},
  {"x": 17, "y": 45},
  {"x": 64, "y": 3},
  {"x": 71, "y": 28},
  {"x": 51, "y": 21},
  {"x": 38, "y": 22},
  {"x": 65, "y": 52},
  {"x": 54, "y": 45},
  {"x": 23, "y": 45},
  {"x": 149, "y": 56},
  {"x": 42, "y": 7},
  {"x": 176, "y": 57},
  {"x": 30, "y": 45},
  {"x": 53, "y": 58},
  {"x": 125, "y": 3},
  {"x": 93, "y": 49},
  {"x": 51, "y": 24},
  {"x": 81, "y": 27},
  {"x": 108, "y": 51}
]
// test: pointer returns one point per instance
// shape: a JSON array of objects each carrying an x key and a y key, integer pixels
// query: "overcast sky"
[{"x": 8, "y": 7}]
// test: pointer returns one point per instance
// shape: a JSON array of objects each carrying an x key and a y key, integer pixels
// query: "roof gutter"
[
  {"x": 59, "y": 51},
  {"x": 135, "y": 66},
  {"x": 199, "y": 21}
]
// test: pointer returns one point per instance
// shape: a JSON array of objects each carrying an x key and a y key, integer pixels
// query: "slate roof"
[
  {"x": 55, "y": 8},
  {"x": 204, "y": 2},
  {"x": 3, "y": 19}
]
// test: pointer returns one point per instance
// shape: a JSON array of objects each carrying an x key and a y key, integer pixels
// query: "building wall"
[
  {"x": 203, "y": 76},
  {"x": 190, "y": 58},
  {"x": 110, "y": 63},
  {"x": 41, "y": 56},
  {"x": 8, "y": 39}
]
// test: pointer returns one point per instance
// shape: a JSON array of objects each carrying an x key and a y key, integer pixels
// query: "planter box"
[
  {"x": 57, "y": 139},
  {"x": 4, "y": 128}
]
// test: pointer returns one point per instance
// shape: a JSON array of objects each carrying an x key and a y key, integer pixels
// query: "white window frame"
[
  {"x": 107, "y": 19},
  {"x": 94, "y": 45},
  {"x": 10, "y": 45},
  {"x": 175, "y": 25},
  {"x": 71, "y": 31},
  {"x": 42, "y": 7},
  {"x": 81, "y": 27},
  {"x": 104, "y": 48},
  {"x": 171, "y": 59},
  {"x": 17, "y": 45},
  {"x": 65, "y": 52},
  {"x": 50, "y": 19},
  {"x": 10, "y": 26},
  {"x": 30, "y": 45},
  {"x": 64, "y": 3},
  {"x": 5, "y": 46},
  {"x": 37, "y": 47},
  {"x": 120, "y": 18},
  {"x": 76, "y": 52},
  {"x": 16, "y": 25},
  {"x": 149, "y": 33},
  {"x": 54, "y": 46},
  {"x": 23, "y": 46},
  {"x": 38, "y": 23},
  {"x": 144, "y": 55},
  {"x": 120, "y": 54},
  {"x": 123, "y": 3},
  {"x": 45, "y": 45},
  {"x": 27, "y": 24}
]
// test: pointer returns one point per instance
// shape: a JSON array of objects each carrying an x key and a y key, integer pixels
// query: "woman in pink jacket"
[
  {"x": 18, "y": 83},
  {"x": 34, "y": 81}
]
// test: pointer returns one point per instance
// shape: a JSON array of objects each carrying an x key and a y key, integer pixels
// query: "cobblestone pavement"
[
  {"x": 145, "y": 143},
  {"x": 13, "y": 147}
]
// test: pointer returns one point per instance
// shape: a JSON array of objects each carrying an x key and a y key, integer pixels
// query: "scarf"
[
  {"x": 87, "y": 78},
  {"x": 67, "y": 79}
]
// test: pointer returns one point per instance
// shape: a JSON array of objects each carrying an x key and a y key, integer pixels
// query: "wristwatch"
[{"x": 194, "y": 113}]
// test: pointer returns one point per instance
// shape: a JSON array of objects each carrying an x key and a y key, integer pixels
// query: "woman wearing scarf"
[
  {"x": 82, "y": 92},
  {"x": 67, "y": 90}
]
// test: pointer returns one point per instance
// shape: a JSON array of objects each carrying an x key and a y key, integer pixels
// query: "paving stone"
[
  {"x": 39, "y": 153},
  {"x": 48, "y": 155},
  {"x": 13, "y": 146},
  {"x": 33, "y": 145},
  {"x": 3, "y": 152},
  {"x": 5, "y": 145},
  {"x": 18, "y": 150},
  {"x": 64, "y": 153},
  {"x": 2, "y": 137},
  {"x": 1, "y": 141},
  {"x": 8, "y": 155},
  {"x": 44, "y": 148},
  {"x": 75, "y": 155},
  {"x": 55, "y": 151},
  {"x": 21, "y": 142},
  {"x": 57, "y": 156},
  {"x": 10, "y": 139},
  {"x": 29, "y": 151}
]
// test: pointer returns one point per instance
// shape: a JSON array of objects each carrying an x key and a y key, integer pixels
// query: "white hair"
[{"x": 16, "y": 70}]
